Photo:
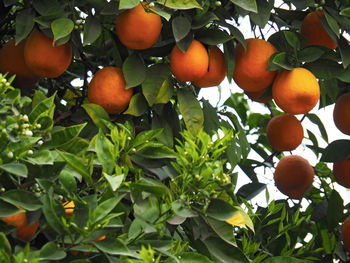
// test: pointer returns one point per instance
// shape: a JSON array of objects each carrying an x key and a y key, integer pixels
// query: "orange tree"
[{"x": 108, "y": 154}]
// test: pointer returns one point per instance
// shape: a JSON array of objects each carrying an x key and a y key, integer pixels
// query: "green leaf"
[
  {"x": 128, "y": 4},
  {"x": 310, "y": 54},
  {"x": 213, "y": 36},
  {"x": 292, "y": 39},
  {"x": 24, "y": 199},
  {"x": 52, "y": 213},
  {"x": 335, "y": 210},
  {"x": 345, "y": 12},
  {"x": 156, "y": 82},
  {"x": 43, "y": 107},
  {"x": 113, "y": 247},
  {"x": 68, "y": 181},
  {"x": 97, "y": 114},
  {"x": 316, "y": 120},
  {"x": 92, "y": 30},
  {"x": 144, "y": 136},
  {"x": 264, "y": 12},
  {"x": 61, "y": 28},
  {"x": 224, "y": 252},
  {"x": 50, "y": 251},
  {"x": 64, "y": 135},
  {"x": 24, "y": 144},
  {"x": 182, "y": 210},
  {"x": 104, "y": 151},
  {"x": 211, "y": 118},
  {"x": 344, "y": 49},
  {"x": 24, "y": 24},
  {"x": 324, "y": 68},
  {"x": 181, "y": 27},
  {"x": 249, "y": 5},
  {"x": 220, "y": 209},
  {"x": 332, "y": 23},
  {"x": 5, "y": 244},
  {"x": 179, "y": 4},
  {"x": 42, "y": 157},
  {"x": 103, "y": 209},
  {"x": 7, "y": 209},
  {"x": 229, "y": 55},
  {"x": 151, "y": 186},
  {"x": 278, "y": 61},
  {"x": 76, "y": 163},
  {"x": 280, "y": 259},
  {"x": 134, "y": 70},
  {"x": 191, "y": 257},
  {"x": 336, "y": 151},
  {"x": 18, "y": 169},
  {"x": 137, "y": 105},
  {"x": 191, "y": 110},
  {"x": 114, "y": 180},
  {"x": 224, "y": 230},
  {"x": 165, "y": 92},
  {"x": 249, "y": 191}
]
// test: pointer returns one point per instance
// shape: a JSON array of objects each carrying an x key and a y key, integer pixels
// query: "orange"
[
  {"x": 284, "y": 132},
  {"x": 346, "y": 234},
  {"x": 314, "y": 32},
  {"x": 216, "y": 72},
  {"x": 191, "y": 65},
  {"x": 45, "y": 59},
  {"x": 341, "y": 113},
  {"x": 12, "y": 61},
  {"x": 69, "y": 208},
  {"x": 257, "y": 96},
  {"x": 137, "y": 28},
  {"x": 296, "y": 91},
  {"x": 341, "y": 172},
  {"x": 293, "y": 175},
  {"x": 19, "y": 220},
  {"x": 107, "y": 89},
  {"x": 250, "y": 69}
]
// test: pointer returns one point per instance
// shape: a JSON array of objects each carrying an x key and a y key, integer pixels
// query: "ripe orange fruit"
[
  {"x": 12, "y": 61},
  {"x": 69, "y": 208},
  {"x": 293, "y": 175},
  {"x": 250, "y": 70},
  {"x": 137, "y": 28},
  {"x": 346, "y": 234},
  {"x": 284, "y": 132},
  {"x": 256, "y": 96},
  {"x": 216, "y": 72},
  {"x": 341, "y": 172},
  {"x": 341, "y": 113},
  {"x": 107, "y": 89},
  {"x": 191, "y": 65},
  {"x": 45, "y": 59},
  {"x": 19, "y": 220},
  {"x": 296, "y": 91},
  {"x": 314, "y": 32}
]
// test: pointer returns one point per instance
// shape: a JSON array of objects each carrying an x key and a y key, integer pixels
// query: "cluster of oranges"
[{"x": 34, "y": 57}]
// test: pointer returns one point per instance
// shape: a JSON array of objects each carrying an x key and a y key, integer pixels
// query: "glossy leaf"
[
  {"x": 92, "y": 30},
  {"x": 134, "y": 70},
  {"x": 137, "y": 105},
  {"x": 128, "y": 4},
  {"x": 97, "y": 114},
  {"x": 181, "y": 27},
  {"x": 64, "y": 135},
  {"x": 24, "y": 199},
  {"x": 104, "y": 151},
  {"x": 191, "y": 110},
  {"x": 18, "y": 169},
  {"x": 336, "y": 151},
  {"x": 61, "y": 28},
  {"x": 7, "y": 209},
  {"x": 156, "y": 82},
  {"x": 179, "y": 4},
  {"x": 50, "y": 252},
  {"x": 220, "y": 209},
  {"x": 24, "y": 24},
  {"x": 249, "y": 5}
]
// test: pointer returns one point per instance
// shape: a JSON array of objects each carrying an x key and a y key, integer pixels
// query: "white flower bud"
[
  {"x": 40, "y": 142},
  {"x": 29, "y": 133},
  {"x": 25, "y": 118},
  {"x": 10, "y": 155},
  {"x": 30, "y": 152}
]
